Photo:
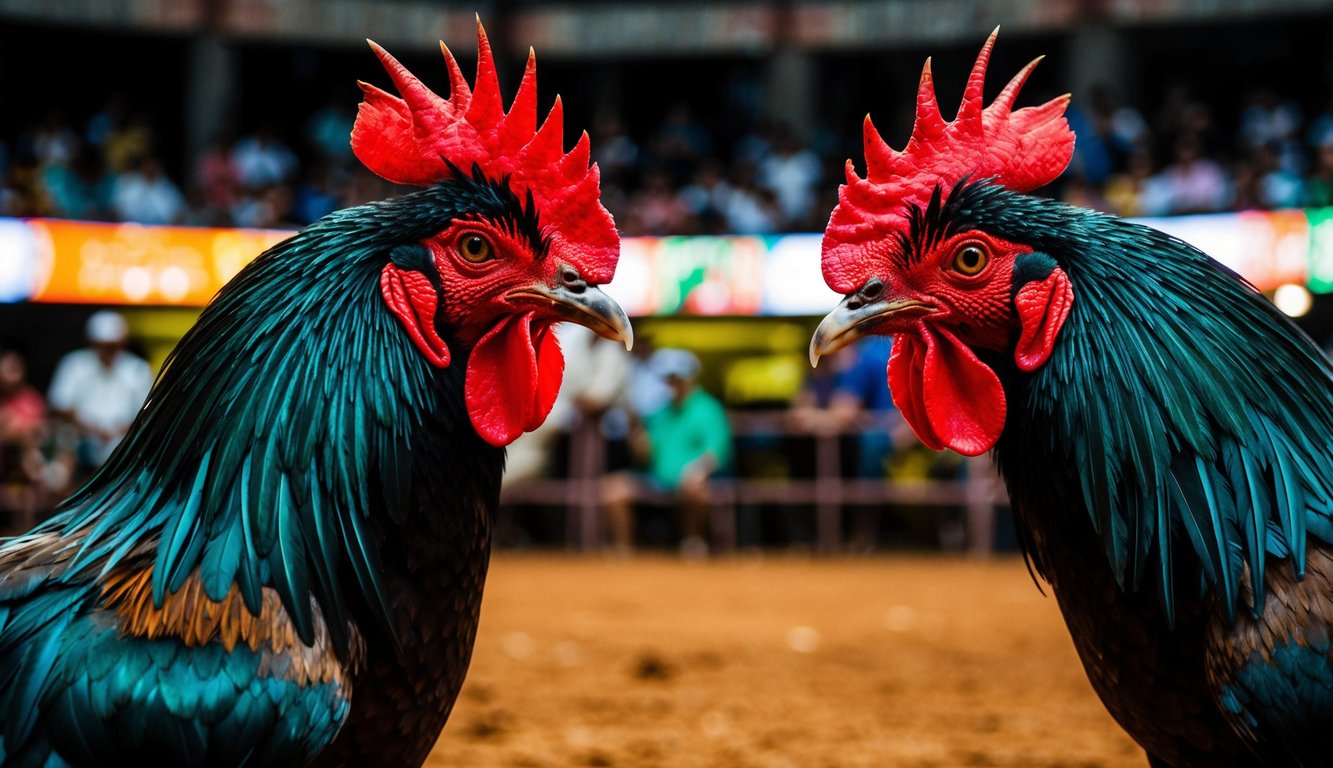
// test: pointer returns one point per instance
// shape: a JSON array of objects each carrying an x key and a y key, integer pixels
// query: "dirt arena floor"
[{"x": 774, "y": 661}]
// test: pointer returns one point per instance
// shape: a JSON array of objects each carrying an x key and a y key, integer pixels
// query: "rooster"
[
  {"x": 1162, "y": 429},
  {"x": 283, "y": 562}
]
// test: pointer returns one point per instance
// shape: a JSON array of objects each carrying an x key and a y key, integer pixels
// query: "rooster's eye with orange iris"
[
  {"x": 969, "y": 260},
  {"x": 474, "y": 248}
]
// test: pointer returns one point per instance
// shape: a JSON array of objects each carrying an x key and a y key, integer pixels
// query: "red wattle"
[
  {"x": 949, "y": 397},
  {"x": 412, "y": 298},
  {"x": 1042, "y": 306},
  {"x": 905, "y": 363},
  {"x": 512, "y": 379}
]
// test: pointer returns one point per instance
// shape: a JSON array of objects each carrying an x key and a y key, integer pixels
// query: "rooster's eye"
[
  {"x": 474, "y": 248},
  {"x": 969, "y": 260}
]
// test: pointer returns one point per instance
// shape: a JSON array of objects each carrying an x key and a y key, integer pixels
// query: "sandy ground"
[{"x": 775, "y": 661}]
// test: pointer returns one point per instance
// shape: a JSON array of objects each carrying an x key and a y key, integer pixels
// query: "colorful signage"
[{"x": 52, "y": 260}]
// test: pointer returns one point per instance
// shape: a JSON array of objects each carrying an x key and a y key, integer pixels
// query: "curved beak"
[
  {"x": 586, "y": 305},
  {"x": 855, "y": 317}
]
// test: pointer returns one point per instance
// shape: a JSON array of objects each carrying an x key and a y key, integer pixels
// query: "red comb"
[
  {"x": 414, "y": 139},
  {"x": 1021, "y": 150}
]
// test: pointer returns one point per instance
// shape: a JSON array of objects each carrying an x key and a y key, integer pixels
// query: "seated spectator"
[
  {"x": 750, "y": 208},
  {"x": 615, "y": 152},
  {"x": 218, "y": 180},
  {"x": 656, "y": 209},
  {"x": 595, "y": 374},
  {"x": 1194, "y": 183},
  {"x": 706, "y": 198},
  {"x": 262, "y": 159},
  {"x": 1319, "y": 187},
  {"x": 145, "y": 195},
  {"x": 1137, "y": 191},
  {"x": 81, "y": 189},
  {"x": 23, "y": 430},
  {"x": 791, "y": 172},
  {"x": 682, "y": 445},
  {"x": 100, "y": 389}
]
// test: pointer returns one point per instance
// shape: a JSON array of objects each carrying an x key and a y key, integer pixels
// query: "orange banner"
[{"x": 83, "y": 262}]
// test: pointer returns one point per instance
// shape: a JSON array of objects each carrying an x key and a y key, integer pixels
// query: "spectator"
[
  {"x": 328, "y": 131},
  {"x": 615, "y": 152},
  {"x": 146, "y": 196},
  {"x": 218, "y": 180},
  {"x": 681, "y": 141},
  {"x": 750, "y": 208},
  {"x": 861, "y": 402},
  {"x": 1136, "y": 191},
  {"x": 1319, "y": 187},
  {"x": 262, "y": 159},
  {"x": 23, "y": 429},
  {"x": 1267, "y": 123},
  {"x": 1194, "y": 184},
  {"x": 81, "y": 189},
  {"x": 656, "y": 209},
  {"x": 1279, "y": 187},
  {"x": 705, "y": 198},
  {"x": 100, "y": 389},
  {"x": 317, "y": 196},
  {"x": 791, "y": 172},
  {"x": 53, "y": 141},
  {"x": 269, "y": 207},
  {"x": 127, "y": 139},
  {"x": 595, "y": 374},
  {"x": 682, "y": 445},
  {"x": 23, "y": 193}
]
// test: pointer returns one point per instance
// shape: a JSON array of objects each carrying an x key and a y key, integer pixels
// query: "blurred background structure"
[{"x": 182, "y": 137}]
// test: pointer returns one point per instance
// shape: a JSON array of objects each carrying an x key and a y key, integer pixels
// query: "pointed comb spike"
[
  {"x": 575, "y": 164},
  {"x": 1004, "y": 103},
  {"x": 521, "y": 121},
  {"x": 413, "y": 91},
  {"x": 460, "y": 93},
  {"x": 880, "y": 157},
  {"x": 423, "y": 103},
  {"x": 487, "y": 108},
  {"x": 969, "y": 111},
  {"x": 549, "y": 143},
  {"x": 418, "y": 138},
  {"x": 929, "y": 123},
  {"x": 850, "y": 170},
  {"x": 1020, "y": 150}
]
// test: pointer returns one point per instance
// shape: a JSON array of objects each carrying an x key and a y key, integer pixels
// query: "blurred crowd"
[
  {"x": 50, "y": 443},
  {"x": 680, "y": 176}
]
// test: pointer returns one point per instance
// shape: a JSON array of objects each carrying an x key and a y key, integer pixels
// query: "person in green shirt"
[{"x": 682, "y": 444}]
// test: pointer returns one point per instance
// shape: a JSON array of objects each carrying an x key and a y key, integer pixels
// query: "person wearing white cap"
[{"x": 100, "y": 389}]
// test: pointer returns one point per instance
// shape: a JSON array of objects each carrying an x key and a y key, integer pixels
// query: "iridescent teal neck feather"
[
  {"x": 277, "y": 443},
  {"x": 1189, "y": 408}
]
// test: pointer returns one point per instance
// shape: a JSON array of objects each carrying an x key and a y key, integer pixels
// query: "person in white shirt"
[{"x": 100, "y": 389}]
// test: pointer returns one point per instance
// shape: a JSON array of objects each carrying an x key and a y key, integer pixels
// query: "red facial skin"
[
  {"x": 476, "y": 291},
  {"x": 959, "y": 298},
  {"x": 516, "y": 366},
  {"x": 976, "y": 309}
]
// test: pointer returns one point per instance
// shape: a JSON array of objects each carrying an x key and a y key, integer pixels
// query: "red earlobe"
[
  {"x": 1043, "y": 306},
  {"x": 412, "y": 298}
]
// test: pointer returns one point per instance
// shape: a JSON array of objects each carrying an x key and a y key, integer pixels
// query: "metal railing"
[{"x": 979, "y": 493}]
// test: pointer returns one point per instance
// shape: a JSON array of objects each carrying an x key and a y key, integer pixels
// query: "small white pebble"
[
  {"x": 578, "y": 736},
  {"x": 803, "y": 639},
  {"x": 900, "y": 618},
  {"x": 517, "y": 645},
  {"x": 567, "y": 654},
  {"x": 715, "y": 724}
]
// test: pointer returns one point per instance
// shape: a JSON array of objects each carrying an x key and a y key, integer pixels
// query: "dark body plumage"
[
  {"x": 291, "y": 543},
  {"x": 1169, "y": 462}
]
